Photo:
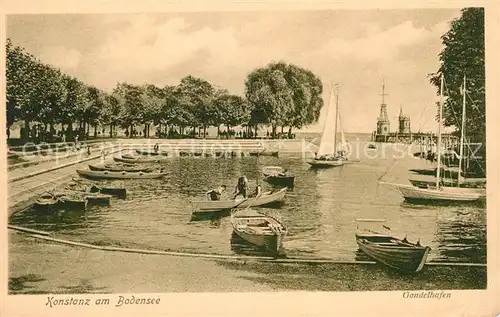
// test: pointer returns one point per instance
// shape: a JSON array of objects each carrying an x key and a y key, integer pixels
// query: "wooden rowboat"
[
  {"x": 144, "y": 159},
  {"x": 47, "y": 202},
  {"x": 72, "y": 200},
  {"x": 278, "y": 175},
  {"x": 119, "y": 168},
  {"x": 259, "y": 229},
  {"x": 396, "y": 253},
  {"x": 118, "y": 175},
  {"x": 266, "y": 198},
  {"x": 119, "y": 192},
  {"x": 151, "y": 153}
]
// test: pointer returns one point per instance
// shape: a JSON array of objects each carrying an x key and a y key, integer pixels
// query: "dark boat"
[
  {"x": 90, "y": 192},
  {"x": 259, "y": 229},
  {"x": 278, "y": 175},
  {"x": 139, "y": 159},
  {"x": 372, "y": 146},
  {"x": 72, "y": 200},
  {"x": 151, "y": 153},
  {"x": 119, "y": 175},
  {"x": 119, "y": 192},
  {"x": 47, "y": 202},
  {"x": 398, "y": 254},
  {"x": 119, "y": 168}
]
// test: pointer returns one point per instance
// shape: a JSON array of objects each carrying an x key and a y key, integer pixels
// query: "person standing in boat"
[
  {"x": 241, "y": 187},
  {"x": 215, "y": 194},
  {"x": 258, "y": 191}
]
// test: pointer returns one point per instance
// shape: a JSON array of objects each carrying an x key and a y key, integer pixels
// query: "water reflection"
[{"x": 319, "y": 212}]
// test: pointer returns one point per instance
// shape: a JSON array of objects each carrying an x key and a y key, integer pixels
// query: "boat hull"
[
  {"x": 221, "y": 205},
  {"x": 326, "y": 163},
  {"x": 272, "y": 243},
  {"x": 118, "y": 175},
  {"x": 103, "y": 167},
  {"x": 404, "y": 259},
  {"x": 151, "y": 153},
  {"x": 140, "y": 160},
  {"x": 416, "y": 194},
  {"x": 281, "y": 180}
]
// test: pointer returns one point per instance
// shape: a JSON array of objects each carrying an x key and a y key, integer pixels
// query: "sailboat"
[
  {"x": 464, "y": 185},
  {"x": 438, "y": 193},
  {"x": 325, "y": 157}
]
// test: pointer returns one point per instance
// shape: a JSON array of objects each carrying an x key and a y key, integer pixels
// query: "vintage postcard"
[{"x": 239, "y": 159}]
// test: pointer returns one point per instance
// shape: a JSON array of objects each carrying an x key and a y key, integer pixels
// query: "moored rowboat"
[
  {"x": 47, "y": 201},
  {"x": 118, "y": 175},
  {"x": 114, "y": 191},
  {"x": 220, "y": 205},
  {"x": 119, "y": 168},
  {"x": 278, "y": 175},
  {"x": 396, "y": 253},
  {"x": 134, "y": 160},
  {"x": 259, "y": 229}
]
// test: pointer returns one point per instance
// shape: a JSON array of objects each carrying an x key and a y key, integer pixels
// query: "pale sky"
[{"x": 356, "y": 49}]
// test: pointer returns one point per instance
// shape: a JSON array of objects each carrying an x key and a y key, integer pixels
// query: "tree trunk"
[
  {"x": 26, "y": 133},
  {"x": 204, "y": 131},
  {"x": 227, "y": 136},
  {"x": 95, "y": 131},
  {"x": 218, "y": 131},
  {"x": 256, "y": 129},
  {"x": 145, "y": 130},
  {"x": 273, "y": 131},
  {"x": 290, "y": 132},
  {"x": 281, "y": 129},
  {"x": 110, "y": 130}
]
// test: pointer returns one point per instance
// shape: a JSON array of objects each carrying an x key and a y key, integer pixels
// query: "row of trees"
[{"x": 279, "y": 95}]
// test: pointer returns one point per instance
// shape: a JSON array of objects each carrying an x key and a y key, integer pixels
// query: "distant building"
[
  {"x": 404, "y": 122},
  {"x": 383, "y": 124}
]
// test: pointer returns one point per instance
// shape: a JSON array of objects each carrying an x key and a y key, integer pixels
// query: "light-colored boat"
[
  {"x": 119, "y": 168},
  {"x": 259, "y": 229},
  {"x": 438, "y": 193},
  {"x": 416, "y": 194},
  {"x": 119, "y": 175},
  {"x": 140, "y": 159},
  {"x": 394, "y": 252},
  {"x": 326, "y": 156},
  {"x": 266, "y": 198}
]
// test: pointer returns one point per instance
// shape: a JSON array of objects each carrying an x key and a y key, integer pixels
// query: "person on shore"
[
  {"x": 215, "y": 194},
  {"x": 156, "y": 148},
  {"x": 241, "y": 187}
]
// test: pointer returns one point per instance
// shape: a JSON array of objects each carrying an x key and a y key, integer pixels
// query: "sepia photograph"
[{"x": 247, "y": 151}]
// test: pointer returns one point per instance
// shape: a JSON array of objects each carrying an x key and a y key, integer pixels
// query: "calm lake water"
[{"x": 320, "y": 211}]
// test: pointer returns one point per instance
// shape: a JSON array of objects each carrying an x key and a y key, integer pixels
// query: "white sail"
[
  {"x": 327, "y": 143},
  {"x": 343, "y": 141}
]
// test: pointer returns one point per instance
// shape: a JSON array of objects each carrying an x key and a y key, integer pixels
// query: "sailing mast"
[
  {"x": 462, "y": 134},
  {"x": 336, "y": 120},
  {"x": 438, "y": 145}
]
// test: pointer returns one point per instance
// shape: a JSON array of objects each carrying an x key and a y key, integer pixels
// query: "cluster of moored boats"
[
  {"x": 78, "y": 194},
  {"x": 264, "y": 231}
]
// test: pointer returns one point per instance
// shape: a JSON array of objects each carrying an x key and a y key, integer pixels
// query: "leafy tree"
[
  {"x": 284, "y": 95},
  {"x": 463, "y": 55},
  {"x": 233, "y": 110},
  {"x": 197, "y": 94},
  {"x": 130, "y": 98}
]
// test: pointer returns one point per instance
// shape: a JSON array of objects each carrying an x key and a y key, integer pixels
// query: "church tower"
[
  {"x": 383, "y": 127},
  {"x": 404, "y": 122}
]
